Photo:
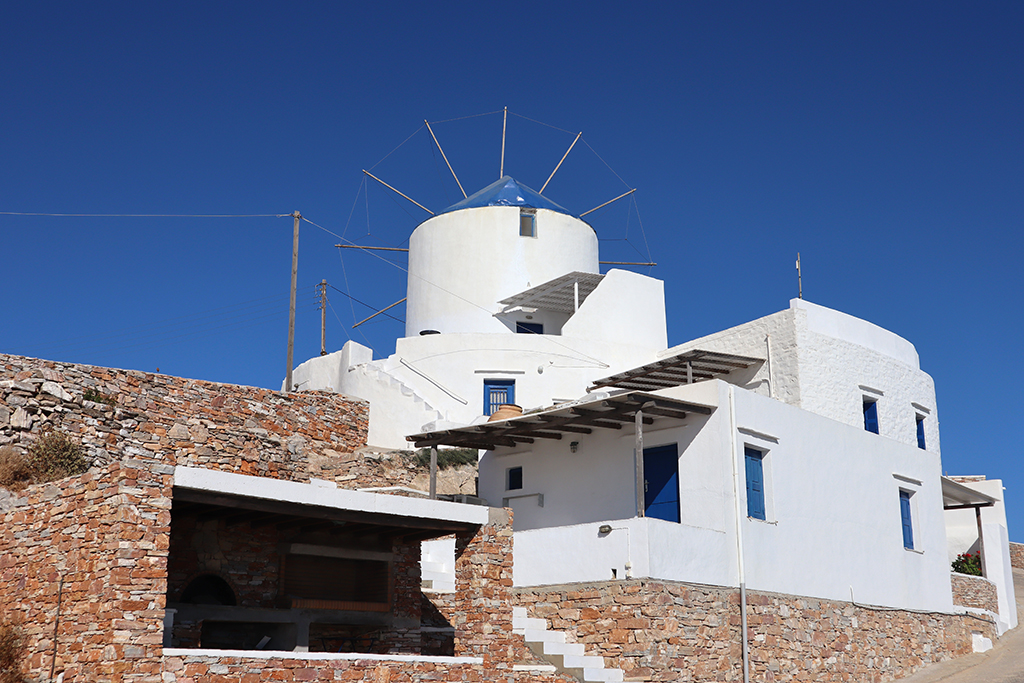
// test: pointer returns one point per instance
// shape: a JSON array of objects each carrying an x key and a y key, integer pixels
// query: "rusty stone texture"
[
  {"x": 669, "y": 631},
  {"x": 1017, "y": 555},
  {"x": 974, "y": 591},
  {"x": 176, "y": 421}
]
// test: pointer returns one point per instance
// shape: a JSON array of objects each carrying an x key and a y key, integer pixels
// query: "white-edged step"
[{"x": 568, "y": 658}]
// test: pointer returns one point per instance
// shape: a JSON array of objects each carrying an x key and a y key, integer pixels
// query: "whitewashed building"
[{"x": 797, "y": 453}]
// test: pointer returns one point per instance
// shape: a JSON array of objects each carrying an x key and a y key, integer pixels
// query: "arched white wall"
[{"x": 463, "y": 262}]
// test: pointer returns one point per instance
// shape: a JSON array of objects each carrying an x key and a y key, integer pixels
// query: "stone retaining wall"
[
  {"x": 105, "y": 534},
  {"x": 1017, "y": 555},
  {"x": 668, "y": 631},
  {"x": 186, "y": 422},
  {"x": 974, "y": 591}
]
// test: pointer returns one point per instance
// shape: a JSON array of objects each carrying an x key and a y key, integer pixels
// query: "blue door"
[{"x": 661, "y": 483}]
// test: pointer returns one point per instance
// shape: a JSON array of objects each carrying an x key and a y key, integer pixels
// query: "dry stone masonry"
[
  {"x": 1017, "y": 555},
  {"x": 98, "y": 545},
  {"x": 974, "y": 591},
  {"x": 668, "y": 631}
]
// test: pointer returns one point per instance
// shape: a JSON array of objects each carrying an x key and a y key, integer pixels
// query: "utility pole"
[
  {"x": 323, "y": 317},
  {"x": 291, "y": 309}
]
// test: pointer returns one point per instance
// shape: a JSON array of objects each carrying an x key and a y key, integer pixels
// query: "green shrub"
[
  {"x": 15, "y": 469},
  {"x": 91, "y": 394},
  {"x": 966, "y": 563},
  {"x": 447, "y": 457},
  {"x": 56, "y": 455},
  {"x": 11, "y": 653}
]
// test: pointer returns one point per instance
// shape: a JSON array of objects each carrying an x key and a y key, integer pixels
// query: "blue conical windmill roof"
[{"x": 507, "y": 192}]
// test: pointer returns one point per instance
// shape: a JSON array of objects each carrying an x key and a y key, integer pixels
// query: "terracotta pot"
[{"x": 505, "y": 411}]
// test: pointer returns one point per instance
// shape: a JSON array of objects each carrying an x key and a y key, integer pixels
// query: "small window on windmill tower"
[{"x": 527, "y": 223}]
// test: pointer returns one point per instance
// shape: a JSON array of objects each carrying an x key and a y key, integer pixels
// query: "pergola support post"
[{"x": 638, "y": 460}]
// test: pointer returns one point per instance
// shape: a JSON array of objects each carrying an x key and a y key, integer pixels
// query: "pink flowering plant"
[{"x": 966, "y": 563}]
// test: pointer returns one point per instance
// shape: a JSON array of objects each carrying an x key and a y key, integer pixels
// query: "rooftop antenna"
[
  {"x": 799, "y": 277},
  {"x": 464, "y": 195},
  {"x": 504, "y": 122},
  {"x": 560, "y": 163}
]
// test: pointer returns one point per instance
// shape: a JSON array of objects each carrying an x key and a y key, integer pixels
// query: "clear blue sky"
[{"x": 883, "y": 141}]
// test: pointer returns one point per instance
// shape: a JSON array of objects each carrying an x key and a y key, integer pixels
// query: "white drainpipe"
[{"x": 739, "y": 536}]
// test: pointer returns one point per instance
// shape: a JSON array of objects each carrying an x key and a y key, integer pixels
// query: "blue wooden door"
[{"x": 661, "y": 483}]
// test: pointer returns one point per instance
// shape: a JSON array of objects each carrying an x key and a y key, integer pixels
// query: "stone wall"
[
  {"x": 668, "y": 631},
  {"x": 104, "y": 534},
  {"x": 1017, "y": 555},
  {"x": 974, "y": 591},
  {"x": 186, "y": 422}
]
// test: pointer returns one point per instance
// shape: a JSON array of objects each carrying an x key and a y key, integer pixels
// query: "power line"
[{"x": 146, "y": 215}]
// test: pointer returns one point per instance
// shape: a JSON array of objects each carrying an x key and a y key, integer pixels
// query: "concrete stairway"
[
  {"x": 422, "y": 409},
  {"x": 437, "y": 575},
  {"x": 567, "y": 658}
]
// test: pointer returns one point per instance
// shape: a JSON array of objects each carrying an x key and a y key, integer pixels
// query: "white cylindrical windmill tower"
[{"x": 496, "y": 243}]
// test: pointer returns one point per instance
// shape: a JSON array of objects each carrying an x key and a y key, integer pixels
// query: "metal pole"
[
  {"x": 504, "y": 122},
  {"x": 624, "y": 194},
  {"x": 981, "y": 541},
  {"x": 323, "y": 317},
  {"x": 445, "y": 158},
  {"x": 799, "y": 277},
  {"x": 397, "y": 192},
  {"x": 433, "y": 472},
  {"x": 575, "y": 296},
  {"x": 560, "y": 163},
  {"x": 291, "y": 308},
  {"x": 56, "y": 623},
  {"x": 638, "y": 463},
  {"x": 379, "y": 312}
]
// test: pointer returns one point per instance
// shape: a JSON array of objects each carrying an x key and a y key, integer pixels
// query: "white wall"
[
  {"x": 832, "y": 497},
  {"x": 626, "y": 308},
  {"x": 441, "y": 376},
  {"x": 832, "y": 494},
  {"x": 462, "y": 263},
  {"x": 962, "y": 536},
  {"x": 654, "y": 548},
  {"x": 827, "y": 362}
]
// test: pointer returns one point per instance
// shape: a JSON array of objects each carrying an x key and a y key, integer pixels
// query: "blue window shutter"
[
  {"x": 871, "y": 416},
  {"x": 908, "y": 526},
  {"x": 920, "y": 433},
  {"x": 755, "y": 482}
]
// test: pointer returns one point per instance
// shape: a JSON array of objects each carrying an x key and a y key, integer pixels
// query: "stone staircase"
[
  {"x": 567, "y": 658},
  {"x": 437, "y": 575},
  {"x": 424, "y": 411}
]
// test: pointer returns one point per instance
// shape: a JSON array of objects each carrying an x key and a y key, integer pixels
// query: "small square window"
[
  {"x": 515, "y": 479},
  {"x": 920, "y": 433},
  {"x": 527, "y": 224},
  {"x": 529, "y": 328},
  {"x": 871, "y": 415}
]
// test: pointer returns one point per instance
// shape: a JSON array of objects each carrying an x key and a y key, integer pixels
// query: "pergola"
[
  {"x": 956, "y": 496},
  {"x": 636, "y": 407},
  {"x": 688, "y": 367}
]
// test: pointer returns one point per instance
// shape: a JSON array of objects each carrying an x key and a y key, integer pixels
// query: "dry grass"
[
  {"x": 11, "y": 653},
  {"x": 15, "y": 469},
  {"x": 56, "y": 455}
]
